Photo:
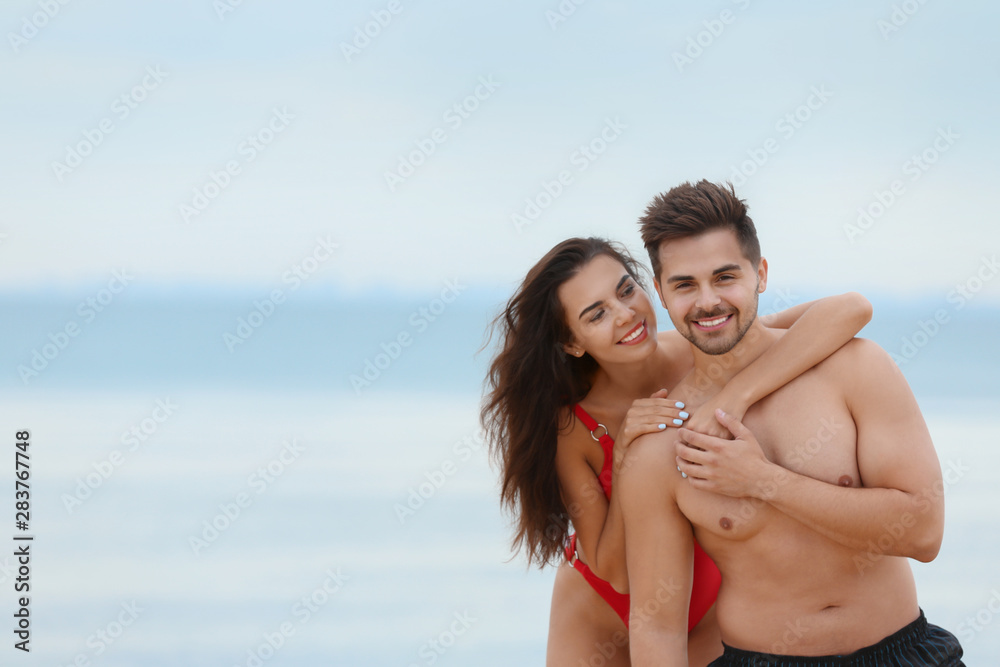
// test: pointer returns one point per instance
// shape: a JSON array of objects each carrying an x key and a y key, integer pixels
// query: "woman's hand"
[{"x": 648, "y": 415}]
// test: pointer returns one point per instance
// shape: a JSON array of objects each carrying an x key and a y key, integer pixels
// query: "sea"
[{"x": 308, "y": 485}]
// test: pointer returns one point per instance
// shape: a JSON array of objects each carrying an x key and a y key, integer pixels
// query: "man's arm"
[
  {"x": 816, "y": 330},
  {"x": 901, "y": 508},
  {"x": 659, "y": 552}
]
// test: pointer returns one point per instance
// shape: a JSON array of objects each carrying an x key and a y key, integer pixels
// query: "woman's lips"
[{"x": 636, "y": 335}]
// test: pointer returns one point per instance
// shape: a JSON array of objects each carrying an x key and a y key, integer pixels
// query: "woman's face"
[{"x": 608, "y": 313}]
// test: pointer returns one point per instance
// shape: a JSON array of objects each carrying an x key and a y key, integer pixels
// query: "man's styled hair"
[{"x": 690, "y": 210}]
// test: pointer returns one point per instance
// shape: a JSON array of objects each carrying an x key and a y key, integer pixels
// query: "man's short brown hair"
[{"x": 690, "y": 210}]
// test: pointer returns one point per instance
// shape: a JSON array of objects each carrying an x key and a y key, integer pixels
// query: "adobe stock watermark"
[
  {"x": 900, "y": 16},
  {"x": 59, "y": 340},
  {"x": 582, "y": 158},
  {"x": 122, "y": 107},
  {"x": 420, "y": 320},
  {"x": 665, "y": 592},
  {"x": 437, "y": 477},
  {"x": 258, "y": 482},
  {"x": 264, "y": 308},
  {"x": 247, "y": 151},
  {"x": 105, "y": 637},
  {"x": 407, "y": 164},
  {"x": 798, "y": 457},
  {"x": 914, "y": 168},
  {"x": 365, "y": 34},
  {"x": 7, "y": 570},
  {"x": 132, "y": 439},
  {"x": 964, "y": 292},
  {"x": 302, "y": 611},
  {"x": 971, "y": 626},
  {"x": 701, "y": 41},
  {"x": 562, "y": 12},
  {"x": 224, "y": 7},
  {"x": 435, "y": 647},
  {"x": 32, "y": 25},
  {"x": 786, "y": 126},
  {"x": 894, "y": 532}
]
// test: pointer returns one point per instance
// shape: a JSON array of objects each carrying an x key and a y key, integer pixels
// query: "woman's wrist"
[{"x": 734, "y": 399}]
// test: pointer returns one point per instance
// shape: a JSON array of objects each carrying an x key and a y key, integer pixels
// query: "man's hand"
[
  {"x": 736, "y": 468},
  {"x": 703, "y": 419}
]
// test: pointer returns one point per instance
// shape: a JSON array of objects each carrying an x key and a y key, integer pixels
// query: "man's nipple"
[
  {"x": 725, "y": 523},
  {"x": 845, "y": 480}
]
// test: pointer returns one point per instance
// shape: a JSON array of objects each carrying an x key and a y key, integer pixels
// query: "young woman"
[{"x": 581, "y": 371}]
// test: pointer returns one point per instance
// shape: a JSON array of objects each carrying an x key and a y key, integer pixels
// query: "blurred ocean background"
[
  {"x": 224, "y": 478},
  {"x": 377, "y": 539}
]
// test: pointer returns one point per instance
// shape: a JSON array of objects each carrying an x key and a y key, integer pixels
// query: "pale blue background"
[{"x": 890, "y": 93}]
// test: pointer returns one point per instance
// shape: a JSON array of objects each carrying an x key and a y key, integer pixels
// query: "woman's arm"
[
  {"x": 595, "y": 520},
  {"x": 815, "y": 331},
  {"x": 600, "y": 533}
]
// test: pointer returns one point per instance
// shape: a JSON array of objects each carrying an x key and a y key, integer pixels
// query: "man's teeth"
[
  {"x": 632, "y": 336},
  {"x": 713, "y": 323}
]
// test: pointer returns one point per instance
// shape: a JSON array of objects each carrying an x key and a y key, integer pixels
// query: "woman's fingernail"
[
  {"x": 678, "y": 468},
  {"x": 684, "y": 415},
  {"x": 661, "y": 426},
  {"x": 679, "y": 405},
  {"x": 684, "y": 475},
  {"x": 678, "y": 422}
]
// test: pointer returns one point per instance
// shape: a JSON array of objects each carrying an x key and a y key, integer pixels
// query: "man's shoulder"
[
  {"x": 860, "y": 354},
  {"x": 650, "y": 456}
]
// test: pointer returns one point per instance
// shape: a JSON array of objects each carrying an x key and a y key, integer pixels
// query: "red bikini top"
[{"x": 607, "y": 444}]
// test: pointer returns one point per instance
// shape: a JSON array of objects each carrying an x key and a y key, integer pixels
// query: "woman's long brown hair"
[{"x": 530, "y": 382}]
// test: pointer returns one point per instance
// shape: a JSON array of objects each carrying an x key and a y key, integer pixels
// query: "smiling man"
[{"x": 847, "y": 453}]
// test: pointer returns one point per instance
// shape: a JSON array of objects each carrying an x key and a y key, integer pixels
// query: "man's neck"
[{"x": 717, "y": 370}]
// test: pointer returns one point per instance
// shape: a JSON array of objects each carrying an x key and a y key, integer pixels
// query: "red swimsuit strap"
[
  {"x": 606, "y": 440},
  {"x": 607, "y": 444}
]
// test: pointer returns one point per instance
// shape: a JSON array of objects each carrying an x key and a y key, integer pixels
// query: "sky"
[{"x": 219, "y": 143}]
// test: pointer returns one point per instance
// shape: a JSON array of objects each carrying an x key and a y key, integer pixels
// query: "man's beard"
[{"x": 714, "y": 345}]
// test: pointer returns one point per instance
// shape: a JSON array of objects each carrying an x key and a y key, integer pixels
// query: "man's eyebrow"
[
  {"x": 598, "y": 303},
  {"x": 721, "y": 269}
]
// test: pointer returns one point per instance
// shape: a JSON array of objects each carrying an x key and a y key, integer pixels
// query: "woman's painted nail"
[
  {"x": 679, "y": 405},
  {"x": 679, "y": 422},
  {"x": 684, "y": 415},
  {"x": 661, "y": 426},
  {"x": 684, "y": 475}
]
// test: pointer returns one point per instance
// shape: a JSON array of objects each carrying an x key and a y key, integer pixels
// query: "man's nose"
[{"x": 708, "y": 298}]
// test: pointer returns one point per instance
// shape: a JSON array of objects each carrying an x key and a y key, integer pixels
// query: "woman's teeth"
[{"x": 635, "y": 334}]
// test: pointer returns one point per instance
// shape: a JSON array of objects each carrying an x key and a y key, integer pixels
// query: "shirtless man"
[{"x": 849, "y": 454}]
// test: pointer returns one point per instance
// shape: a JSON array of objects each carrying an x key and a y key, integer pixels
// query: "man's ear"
[
  {"x": 762, "y": 276},
  {"x": 656, "y": 284}
]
